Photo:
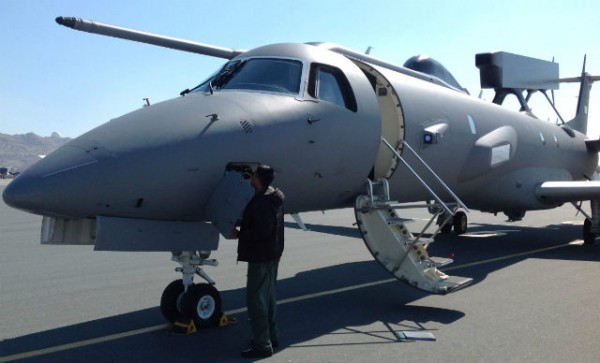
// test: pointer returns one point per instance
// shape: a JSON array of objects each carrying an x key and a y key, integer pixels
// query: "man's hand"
[{"x": 234, "y": 234}]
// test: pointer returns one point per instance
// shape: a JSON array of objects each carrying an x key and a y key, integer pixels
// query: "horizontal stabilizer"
[
  {"x": 578, "y": 79},
  {"x": 568, "y": 191}
]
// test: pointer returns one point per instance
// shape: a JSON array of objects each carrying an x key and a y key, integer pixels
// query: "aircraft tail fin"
[{"x": 580, "y": 121}]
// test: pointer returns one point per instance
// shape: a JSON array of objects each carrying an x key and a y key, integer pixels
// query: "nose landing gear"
[{"x": 182, "y": 299}]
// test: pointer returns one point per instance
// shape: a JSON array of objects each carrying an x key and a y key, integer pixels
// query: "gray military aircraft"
[{"x": 342, "y": 129}]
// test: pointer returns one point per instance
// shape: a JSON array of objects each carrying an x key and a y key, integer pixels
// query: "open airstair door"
[
  {"x": 400, "y": 252},
  {"x": 392, "y": 121}
]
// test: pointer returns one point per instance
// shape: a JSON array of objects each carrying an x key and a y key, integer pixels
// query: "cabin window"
[
  {"x": 260, "y": 74},
  {"x": 331, "y": 85}
]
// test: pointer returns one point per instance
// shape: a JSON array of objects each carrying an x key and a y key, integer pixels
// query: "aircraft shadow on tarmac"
[
  {"x": 356, "y": 316},
  {"x": 300, "y": 322},
  {"x": 320, "y": 228},
  {"x": 495, "y": 241}
]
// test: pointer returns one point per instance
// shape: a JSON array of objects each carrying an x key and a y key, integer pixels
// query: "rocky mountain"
[{"x": 17, "y": 152}]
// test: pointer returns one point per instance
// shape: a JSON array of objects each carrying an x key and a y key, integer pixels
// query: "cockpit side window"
[
  {"x": 260, "y": 74},
  {"x": 331, "y": 85}
]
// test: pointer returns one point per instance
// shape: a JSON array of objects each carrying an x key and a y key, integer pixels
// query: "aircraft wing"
[{"x": 568, "y": 191}]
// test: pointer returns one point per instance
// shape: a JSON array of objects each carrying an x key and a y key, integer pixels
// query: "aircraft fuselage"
[{"x": 162, "y": 162}]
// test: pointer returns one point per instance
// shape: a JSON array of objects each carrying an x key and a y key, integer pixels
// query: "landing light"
[
  {"x": 428, "y": 138},
  {"x": 434, "y": 133}
]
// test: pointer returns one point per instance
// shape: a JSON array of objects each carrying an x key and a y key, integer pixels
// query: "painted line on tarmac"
[
  {"x": 82, "y": 343},
  {"x": 508, "y": 257},
  {"x": 108, "y": 338}
]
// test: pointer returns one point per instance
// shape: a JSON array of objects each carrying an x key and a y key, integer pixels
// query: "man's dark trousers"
[{"x": 262, "y": 302}]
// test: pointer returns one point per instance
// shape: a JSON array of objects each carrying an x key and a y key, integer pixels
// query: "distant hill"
[{"x": 19, "y": 151}]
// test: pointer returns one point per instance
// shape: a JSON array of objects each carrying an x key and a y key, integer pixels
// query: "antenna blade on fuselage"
[{"x": 148, "y": 38}]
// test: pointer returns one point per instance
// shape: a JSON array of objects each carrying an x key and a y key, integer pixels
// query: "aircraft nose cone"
[
  {"x": 17, "y": 193},
  {"x": 45, "y": 187}
]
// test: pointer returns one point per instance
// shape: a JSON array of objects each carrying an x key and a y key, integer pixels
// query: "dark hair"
[{"x": 265, "y": 174}]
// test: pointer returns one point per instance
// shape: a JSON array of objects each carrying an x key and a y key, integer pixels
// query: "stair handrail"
[
  {"x": 436, "y": 197},
  {"x": 446, "y": 187},
  {"x": 433, "y": 194}
]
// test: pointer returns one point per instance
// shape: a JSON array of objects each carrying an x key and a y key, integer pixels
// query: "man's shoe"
[
  {"x": 257, "y": 353},
  {"x": 274, "y": 343}
]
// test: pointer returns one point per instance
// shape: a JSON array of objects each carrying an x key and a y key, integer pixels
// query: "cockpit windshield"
[{"x": 260, "y": 74}]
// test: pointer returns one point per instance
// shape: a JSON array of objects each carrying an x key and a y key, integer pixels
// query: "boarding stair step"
[
  {"x": 399, "y": 221},
  {"x": 455, "y": 283},
  {"x": 440, "y": 261},
  {"x": 384, "y": 203},
  {"x": 420, "y": 242}
]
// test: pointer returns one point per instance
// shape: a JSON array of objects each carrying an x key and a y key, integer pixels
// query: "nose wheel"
[
  {"x": 184, "y": 300},
  {"x": 202, "y": 303},
  {"x": 170, "y": 301}
]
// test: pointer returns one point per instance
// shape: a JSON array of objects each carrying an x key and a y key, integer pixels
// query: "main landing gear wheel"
[
  {"x": 202, "y": 303},
  {"x": 460, "y": 223},
  {"x": 447, "y": 228},
  {"x": 515, "y": 215},
  {"x": 171, "y": 299},
  {"x": 589, "y": 238}
]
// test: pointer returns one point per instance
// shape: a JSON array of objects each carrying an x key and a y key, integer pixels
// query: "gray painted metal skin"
[
  {"x": 111, "y": 171},
  {"x": 466, "y": 168}
]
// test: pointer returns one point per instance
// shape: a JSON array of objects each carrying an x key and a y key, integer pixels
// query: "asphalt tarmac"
[{"x": 535, "y": 297}]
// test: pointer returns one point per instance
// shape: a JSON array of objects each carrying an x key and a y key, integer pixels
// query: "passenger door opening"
[{"x": 392, "y": 121}]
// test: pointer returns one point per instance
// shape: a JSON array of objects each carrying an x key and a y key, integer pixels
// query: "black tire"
[
  {"x": 447, "y": 227},
  {"x": 515, "y": 215},
  {"x": 171, "y": 300},
  {"x": 202, "y": 303},
  {"x": 460, "y": 223},
  {"x": 588, "y": 237}
]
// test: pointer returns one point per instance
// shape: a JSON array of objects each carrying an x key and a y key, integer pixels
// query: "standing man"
[{"x": 261, "y": 245}]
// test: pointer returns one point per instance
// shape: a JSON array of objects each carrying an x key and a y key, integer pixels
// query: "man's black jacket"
[{"x": 261, "y": 232}]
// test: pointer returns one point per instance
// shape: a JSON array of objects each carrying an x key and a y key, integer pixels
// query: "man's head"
[{"x": 262, "y": 177}]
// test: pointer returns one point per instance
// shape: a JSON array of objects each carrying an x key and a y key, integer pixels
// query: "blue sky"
[{"x": 56, "y": 79}]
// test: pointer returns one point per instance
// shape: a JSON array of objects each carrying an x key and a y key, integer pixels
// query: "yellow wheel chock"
[
  {"x": 226, "y": 320},
  {"x": 182, "y": 328}
]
